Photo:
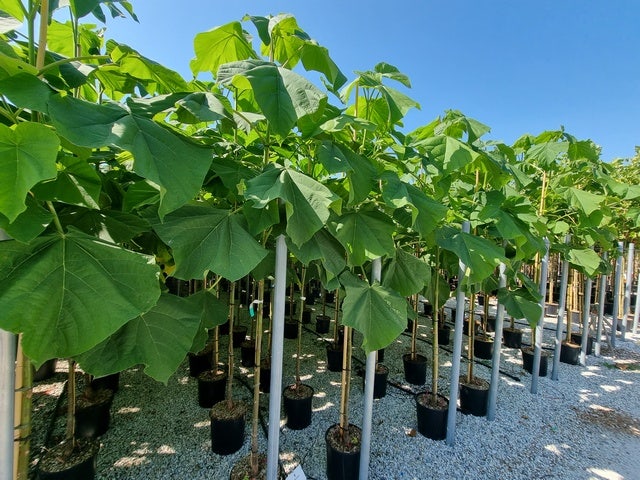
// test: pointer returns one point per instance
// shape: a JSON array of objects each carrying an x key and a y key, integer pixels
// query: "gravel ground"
[{"x": 584, "y": 426}]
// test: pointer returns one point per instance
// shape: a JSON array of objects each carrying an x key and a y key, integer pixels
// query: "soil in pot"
[
  {"x": 248, "y": 354},
  {"x": 444, "y": 335},
  {"x": 527, "y": 361},
  {"x": 432, "y": 417},
  {"x": 569, "y": 353},
  {"x": 483, "y": 347},
  {"x": 45, "y": 371},
  {"x": 199, "y": 362},
  {"x": 291, "y": 329},
  {"x": 242, "y": 468},
  {"x": 110, "y": 382},
  {"x": 265, "y": 375},
  {"x": 512, "y": 337},
  {"x": 334, "y": 357},
  {"x": 473, "y": 396},
  {"x": 80, "y": 464},
  {"x": 93, "y": 413},
  {"x": 297, "y": 402},
  {"x": 227, "y": 427},
  {"x": 343, "y": 461},
  {"x": 211, "y": 387},
  {"x": 577, "y": 338},
  {"x": 415, "y": 370},
  {"x": 322, "y": 323}
]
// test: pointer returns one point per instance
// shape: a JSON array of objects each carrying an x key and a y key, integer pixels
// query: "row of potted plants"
[{"x": 121, "y": 174}]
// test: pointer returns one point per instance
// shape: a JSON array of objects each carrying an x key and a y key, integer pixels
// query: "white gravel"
[{"x": 584, "y": 426}]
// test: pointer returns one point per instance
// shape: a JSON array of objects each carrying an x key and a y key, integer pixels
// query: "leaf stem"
[
  {"x": 56, "y": 219},
  {"x": 50, "y": 66}
]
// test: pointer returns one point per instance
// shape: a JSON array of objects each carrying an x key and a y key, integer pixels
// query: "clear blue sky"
[{"x": 519, "y": 66}]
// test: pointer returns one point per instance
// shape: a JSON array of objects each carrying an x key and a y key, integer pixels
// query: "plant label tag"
[{"x": 297, "y": 474}]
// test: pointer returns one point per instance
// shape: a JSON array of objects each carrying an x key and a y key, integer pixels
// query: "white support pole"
[
  {"x": 636, "y": 312},
  {"x": 562, "y": 302},
  {"x": 627, "y": 290},
  {"x": 277, "y": 348},
  {"x": 369, "y": 379},
  {"x": 537, "y": 351},
  {"x": 457, "y": 349},
  {"x": 586, "y": 315},
  {"x": 602, "y": 297},
  {"x": 7, "y": 396},
  {"x": 616, "y": 295},
  {"x": 495, "y": 359}
]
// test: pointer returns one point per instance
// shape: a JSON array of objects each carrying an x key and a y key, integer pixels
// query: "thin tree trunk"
[
  {"x": 346, "y": 385},
  {"x": 256, "y": 383},
  {"x": 232, "y": 313}
]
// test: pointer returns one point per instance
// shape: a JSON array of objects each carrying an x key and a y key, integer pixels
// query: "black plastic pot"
[
  {"x": 306, "y": 316},
  {"x": 297, "y": 406},
  {"x": 199, "y": 362},
  {"x": 427, "y": 309},
  {"x": 444, "y": 335},
  {"x": 409, "y": 325},
  {"x": 248, "y": 354},
  {"x": 577, "y": 338},
  {"x": 290, "y": 309},
  {"x": 342, "y": 465},
  {"x": 265, "y": 376},
  {"x": 322, "y": 323},
  {"x": 93, "y": 420},
  {"x": 483, "y": 347},
  {"x": 84, "y": 468},
  {"x": 465, "y": 326},
  {"x": 432, "y": 420},
  {"x": 110, "y": 382},
  {"x": 380, "y": 381},
  {"x": 569, "y": 353},
  {"x": 381, "y": 355},
  {"x": 239, "y": 335},
  {"x": 473, "y": 396},
  {"x": 211, "y": 388},
  {"x": 227, "y": 430},
  {"x": 551, "y": 309},
  {"x": 45, "y": 371},
  {"x": 527, "y": 361},
  {"x": 334, "y": 357},
  {"x": 330, "y": 297},
  {"x": 415, "y": 371},
  {"x": 291, "y": 330},
  {"x": 512, "y": 337}
]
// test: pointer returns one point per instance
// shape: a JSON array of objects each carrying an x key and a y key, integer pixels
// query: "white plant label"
[{"x": 297, "y": 474}]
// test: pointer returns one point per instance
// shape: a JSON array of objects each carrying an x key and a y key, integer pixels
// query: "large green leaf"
[
  {"x": 377, "y": 312},
  {"x": 27, "y": 156},
  {"x": 406, "y": 273},
  {"x": 109, "y": 225},
  {"x": 306, "y": 200},
  {"x": 360, "y": 172},
  {"x": 204, "y": 239},
  {"x": 13, "y": 8},
  {"x": 426, "y": 213},
  {"x": 584, "y": 201},
  {"x": 26, "y": 91},
  {"x": 224, "y": 44},
  {"x": 157, "y": 78},
  {"x": 269, "y": 91},
  {"x": 29, "y": 224},
  {"x": 480, "y": 255},
  {"x": 170, "y": 161},
  {"x": 366, "y": 235},
  {"x": 324, "y": 247},
  {"x": 78, "y": 289},
  {"x": 77, "y": 183},
  {"x": 584, "y": 259},
  {"x": 158, "y": 339},
  {"x": 520, "y": 303}
]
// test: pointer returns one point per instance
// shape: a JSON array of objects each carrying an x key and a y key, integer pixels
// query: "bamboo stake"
[{"x": 22, "y": 413}]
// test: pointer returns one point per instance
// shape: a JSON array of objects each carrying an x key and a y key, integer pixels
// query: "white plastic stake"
[
  {"x": 537, "y": 351},
  {"x": 457, "y": 350},
  {"x": 586, "y": 315},
  {"x": 616, "y": 295},
  {"x": 277, "y": 348},
  {"x": 562, "y": 307},
  {"x": 601, "y": 299},
  {"x": 636, "y": 312},
  {"x": 495, "y": 359},
  {"x": 369, "y": 379},
  {"x": 7, "y": 396},
  {"x": 627, "y": 290}
]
